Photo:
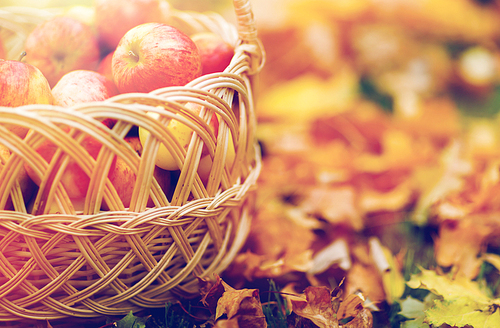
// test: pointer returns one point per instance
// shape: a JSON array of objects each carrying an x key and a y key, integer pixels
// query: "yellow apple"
[{"x": 183, "y": 135}]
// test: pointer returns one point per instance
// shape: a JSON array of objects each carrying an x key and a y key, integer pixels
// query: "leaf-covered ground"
[{"x": 379, "y": 201}]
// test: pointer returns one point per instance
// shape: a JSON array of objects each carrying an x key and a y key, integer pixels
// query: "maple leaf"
[
  {"x": 243, "y": 305},
  {"x": 461, "y": 301},
  {"x": 317, "y": 307},
  {"x": 447, "y": 287},
  {"x": 463, "y": 311}
]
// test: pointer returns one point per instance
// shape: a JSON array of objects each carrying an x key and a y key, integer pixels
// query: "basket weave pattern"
[{"x": 90, "y": 262}]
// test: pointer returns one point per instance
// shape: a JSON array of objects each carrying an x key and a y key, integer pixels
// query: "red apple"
[
  {"x": 75, "y": 180},
  {"x": 215, "y": 53},
  {"x": 152, "y": 56},
  {"x": 61, "y": 45},
  {"x": 104, "y": 67},
  {"x": 123, "y": 177},
  {"x": 82, "y": 86},
  {"x": 22, "y": 84},
  {"x": 113, "y": 18}
]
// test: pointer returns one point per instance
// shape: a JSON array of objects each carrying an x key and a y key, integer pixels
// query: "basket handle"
[
  {"x": 247, "y": 32},
  {"x": 247, "y": 29}
]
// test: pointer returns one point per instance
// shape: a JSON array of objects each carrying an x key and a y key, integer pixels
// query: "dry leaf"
[
  {"x": 364, "y": 319},
  {"x": 337, "y": 205},
  {"x": 230, "y": 323},
  {"x": 350, "y": 307},
  {"x": 243, "y": 305},
  {"x": 211, "y": 292},
  {"x": 460, "y": 242},
  {"x": 317, "y": 307},
  {"x": 365, "y": 279}
]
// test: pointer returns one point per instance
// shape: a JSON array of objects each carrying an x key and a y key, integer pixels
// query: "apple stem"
[
  {"x": 132, "y": 54},
  {"x": 23, "y": 54}
]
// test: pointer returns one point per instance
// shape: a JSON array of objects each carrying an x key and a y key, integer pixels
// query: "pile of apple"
[{"x": 123, "y": 46}]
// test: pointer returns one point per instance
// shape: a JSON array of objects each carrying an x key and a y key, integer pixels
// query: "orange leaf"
[
  {"x": 350, "y": 307},
  {"x": 244, "y": 305},
  {"x": 318, "y": 307}
]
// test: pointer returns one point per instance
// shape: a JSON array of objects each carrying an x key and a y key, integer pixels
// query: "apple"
[
  {"x": 25, "y": 183},
  {"x": 152, "y": 56},
  {"x": 82, "y": 86},
  {"x": 104, "y": 67},
  {"x": 75, "y": 180},
  {"x": 113, "y": 18},
  {"x": 215, "y": 53},
  {"x": 182, "y": 133},
  {"x": 61, "y": 45},
  {"x": 123, "y": 177},
  {"x": 22, "y": 84}
]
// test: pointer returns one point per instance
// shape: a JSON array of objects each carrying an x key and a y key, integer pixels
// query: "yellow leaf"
[
  {"x": 447, "y": 287},
  {"x": 308, "y": 97}
]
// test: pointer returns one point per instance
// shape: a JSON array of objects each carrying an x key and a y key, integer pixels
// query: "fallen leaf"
[
  {"x": 350, "y": 307},
  {"x": 336, "y": 204},
  {"x": 448, "y": 288},
  {"x": 317, "y": 307},
  {"x": 336, "y": 252},
  {"x": 367, "y": 279},
  {"x": 131, "y": 321},
  {"x": 287, "y": 100},
  {"x": 463, "y": 311},
  {"x": 211, "y": 292},
  {"x": 460, "y": 243},
  {"x": 244, "y": 305},
  {"x": 364, "y": 319},
  {"x": 230, "y": 323}
]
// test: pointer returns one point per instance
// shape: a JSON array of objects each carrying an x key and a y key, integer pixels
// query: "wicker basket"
[{"x": 90, "y": 262}]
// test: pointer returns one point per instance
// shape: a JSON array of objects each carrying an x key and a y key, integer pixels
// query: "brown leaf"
[
  {"x": 317, "y": 307},
  {"x": 350, "y": 307},
  {"x": 367, "y": 279},
  {"x": 211, "y": 292},
  {"x": 364, "y": 319},
  {"x": 460, "y": 242},
  {"x": 230, "y": 323},
  {"x": 243, "y": 305}
]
